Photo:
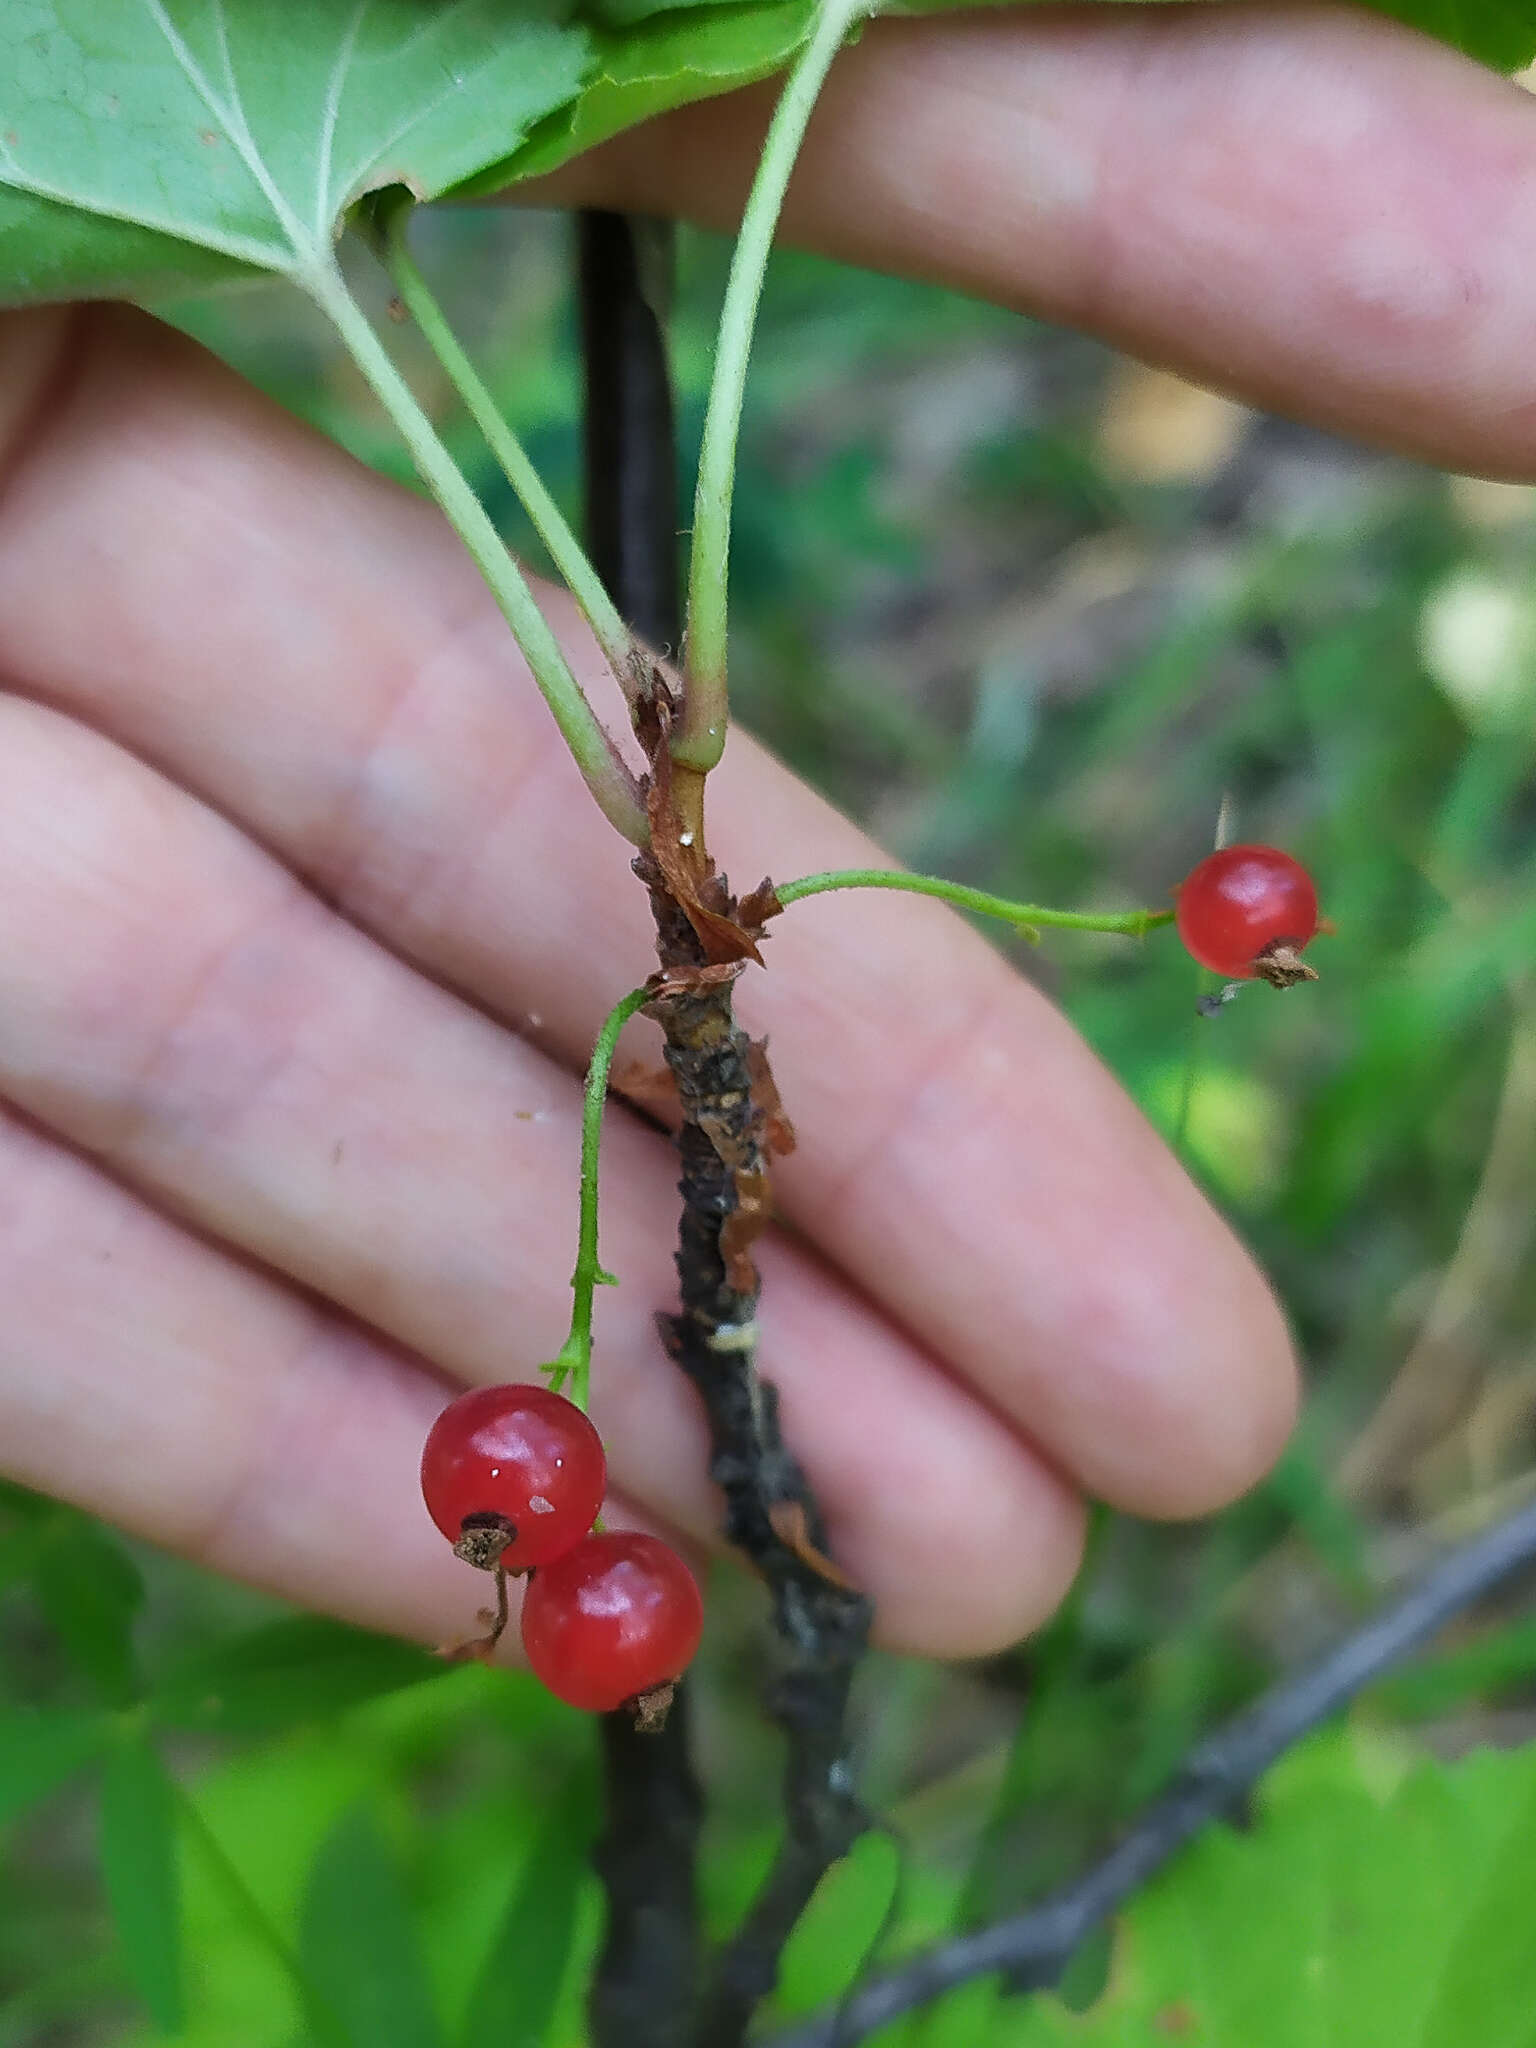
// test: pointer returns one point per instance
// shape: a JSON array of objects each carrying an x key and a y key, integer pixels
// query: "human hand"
[{"x": 308, "y": 925}]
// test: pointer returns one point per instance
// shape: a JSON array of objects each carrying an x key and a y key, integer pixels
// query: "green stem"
[
  {"x": 385, "y": 223},
  {"x": 602, "y": 766},
  {"x": 700, "y": 736},
  {"x": 573, "y": 1361},
  {"x": 1025, "y": 917}
]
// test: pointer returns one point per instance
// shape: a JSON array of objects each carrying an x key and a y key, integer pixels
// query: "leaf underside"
[{"x": 151, "y": 145}]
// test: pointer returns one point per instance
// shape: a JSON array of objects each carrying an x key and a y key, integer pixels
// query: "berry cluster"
[{"x": 514, "y": 1477}]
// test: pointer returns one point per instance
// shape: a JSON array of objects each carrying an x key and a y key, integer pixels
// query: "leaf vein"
[
  {"x": 347, "y": 188},
  {"x": 231, "y": 117},
  {"x": 335, "y": 86},
  {"x": 242, "y": 248}
]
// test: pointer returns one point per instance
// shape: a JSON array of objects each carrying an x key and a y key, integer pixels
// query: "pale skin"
[{"x": 307, "y": 923}]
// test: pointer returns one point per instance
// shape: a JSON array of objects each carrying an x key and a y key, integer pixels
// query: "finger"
[
  {"x": 148, "y": 1377},
  {"x": 179, "y": 1393},
  {"x": 308, "y": 648},
  {"x": 1310, "y": 207},
  {"x": 175, "y": 1004}
]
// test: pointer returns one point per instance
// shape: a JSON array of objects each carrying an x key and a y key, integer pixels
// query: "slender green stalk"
[
  {"x": 1027, "y": 918},
  {"x": 386, "y": 223},
  {"x": 573, "y": 1361},
  {"x": 602, "y": 766},
  {"x": 700, "y": 736}
]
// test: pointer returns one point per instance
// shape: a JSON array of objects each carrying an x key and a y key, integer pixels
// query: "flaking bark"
[
  {"x": 645, "y": 1992},
  {"x": 731, "y": 1119}
]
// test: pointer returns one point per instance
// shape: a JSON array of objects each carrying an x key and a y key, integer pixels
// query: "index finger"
[{"x": 306, "y": 648}]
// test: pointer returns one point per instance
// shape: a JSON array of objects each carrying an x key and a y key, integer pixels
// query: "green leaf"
[
  {"x": 1487, "y": 1984},
  {"x": 18, "y": 1549},
  {"x": 148, "y": 140},
  {"x": 359, "y": 1945},
  {"x": 23, "y": 1526},
  {"x": 655, "y": 64},
  {"x": 90, "y": 1589},
  {"x": 844, "y": 1925},
  {"x": 1396, "y": 1920},
  {"x": 139, "y": 1868},
  {"x": 19, "y": 1503},
  {"x": 285, "y": 1672},
  {"x": 515, "y": 1992},
  {"x": 41, "y": 1751},
  {"x": 1498, "y": 32},
  {"x": 152, "y": 144}
]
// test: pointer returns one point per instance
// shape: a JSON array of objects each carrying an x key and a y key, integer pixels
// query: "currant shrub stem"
[
  {"x": 387, "y": 220},
  {"x": 1027, "y": 918},
  {"x": 573, "y": 1361},
  {"x": 602, "y": 766},
  {"x": 700, "y": 736}
]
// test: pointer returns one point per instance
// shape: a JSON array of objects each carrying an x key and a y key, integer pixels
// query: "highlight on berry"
[
  {"x": 613, "y": 1622},
  {"x": 513, "y": 1476}
]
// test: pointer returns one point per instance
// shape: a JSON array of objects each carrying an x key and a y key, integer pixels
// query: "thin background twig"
[{"x": 1033, "y": 1947}]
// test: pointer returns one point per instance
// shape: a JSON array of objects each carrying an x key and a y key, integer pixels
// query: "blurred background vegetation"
[{"x": 1035, "y": 614}]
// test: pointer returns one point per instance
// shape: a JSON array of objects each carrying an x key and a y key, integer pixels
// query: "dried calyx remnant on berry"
[
  {"x": 513, "y": 1476},
  {"x": 1250, "y": 911}
]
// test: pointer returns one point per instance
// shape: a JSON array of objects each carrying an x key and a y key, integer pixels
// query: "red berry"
[
  {"x": 1249, "y": 910},
  {"x": 618, "y": 1616},
  {"x": 518, "y": 1458}
]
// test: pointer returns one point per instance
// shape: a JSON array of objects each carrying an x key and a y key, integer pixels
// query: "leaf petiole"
[
  {"x": 1027, "y": 918},
  {"x": 573, "y": 1361},
  {"x": 699, "y": 739},
  {"x": 603, "y": 768},
  {"x": 383, "y": 220}
]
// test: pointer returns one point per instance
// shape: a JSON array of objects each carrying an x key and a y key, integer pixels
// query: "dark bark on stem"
[
  {"x": 630, "y": 445},
  {"x": 644, "y": 1993},
  {"x": 1033, "y": 1947},
  {"x": 771, "y": 1516}
]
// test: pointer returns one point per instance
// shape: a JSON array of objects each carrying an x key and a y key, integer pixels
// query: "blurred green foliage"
[{"x": 1041, "y": 651}]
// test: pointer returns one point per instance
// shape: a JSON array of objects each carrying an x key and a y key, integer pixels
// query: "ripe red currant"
[
  {"x": 1249, "y": 910},
  {"x": 615, "y": 1618},
  {"x": 512, "y": 1475}
]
